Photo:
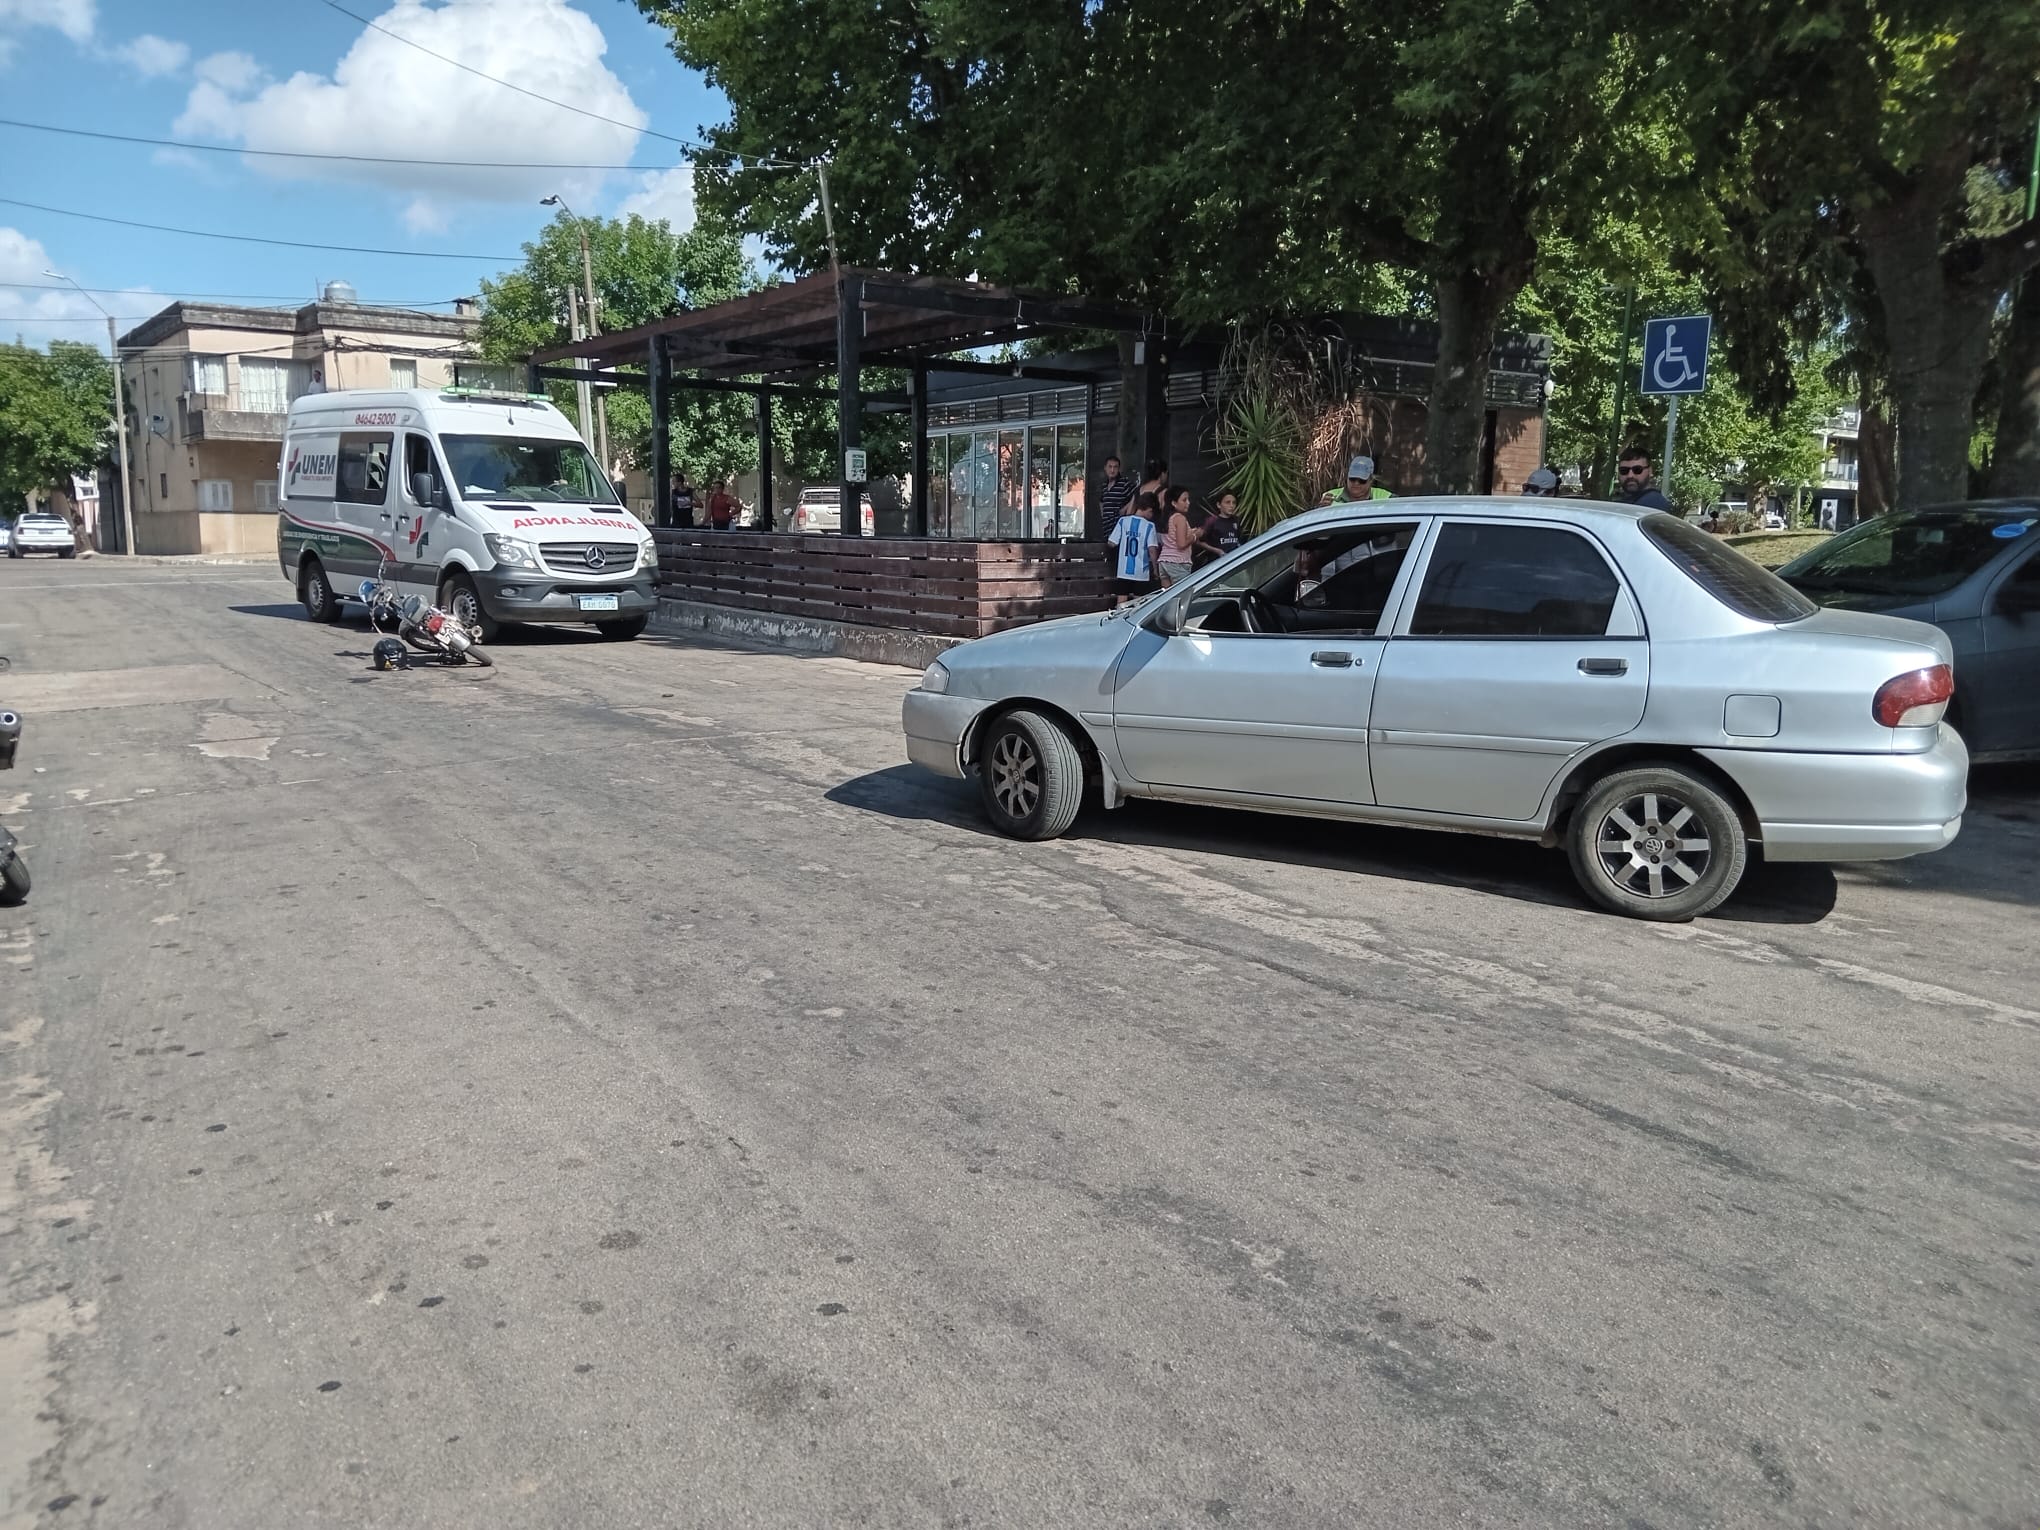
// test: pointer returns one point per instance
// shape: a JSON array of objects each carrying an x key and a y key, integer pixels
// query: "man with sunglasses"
[{"x": 1634, "y": 483}]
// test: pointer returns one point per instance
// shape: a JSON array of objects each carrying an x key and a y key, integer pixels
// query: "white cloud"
[
  {"x": 385, "y": 98},
  {"x": 667, "y": 194},
  {"x": 234, "y": 72},
  {"x": 151, "y": 56},
  {"x": 74, "y": 18},
  {"x": 55, "y": 312}
]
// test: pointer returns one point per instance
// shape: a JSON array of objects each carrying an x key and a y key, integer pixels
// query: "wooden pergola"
[{"x": 777, "y": 341}]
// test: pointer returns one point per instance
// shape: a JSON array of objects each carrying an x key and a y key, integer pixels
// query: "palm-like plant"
[{"x": 1261, "y": 446}]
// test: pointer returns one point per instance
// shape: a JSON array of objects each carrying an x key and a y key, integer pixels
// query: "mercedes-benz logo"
[{"x": 594, "y": 557}]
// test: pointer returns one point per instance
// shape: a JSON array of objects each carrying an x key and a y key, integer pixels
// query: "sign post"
[{"x": 1675, "y": 364}]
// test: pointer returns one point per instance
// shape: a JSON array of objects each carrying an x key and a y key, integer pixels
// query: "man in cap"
[
  {"x": 1359, "y": 484},
  {"x": 1541, "y": 484}
]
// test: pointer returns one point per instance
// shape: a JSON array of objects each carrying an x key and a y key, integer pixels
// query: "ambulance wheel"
[
  {"x": 316, "y": 591},
  {"x": 623, "y": 631},
  {"x": 460, "y": 596}
]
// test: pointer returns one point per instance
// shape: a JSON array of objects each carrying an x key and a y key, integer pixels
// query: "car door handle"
[
  {"x": 1604, "y": 666},
  {"x": 1332, "y": 658}
]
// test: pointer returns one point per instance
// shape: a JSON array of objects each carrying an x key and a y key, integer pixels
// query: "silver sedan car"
[{"x": 1596, "y": 676}]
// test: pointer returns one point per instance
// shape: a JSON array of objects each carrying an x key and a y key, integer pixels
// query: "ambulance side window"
[
  {"x": 364, "y": 473},
  {"x": 418, "y": 459}
]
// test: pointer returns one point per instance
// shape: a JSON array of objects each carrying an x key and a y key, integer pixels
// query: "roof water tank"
[{"x": 341, "y": 292}]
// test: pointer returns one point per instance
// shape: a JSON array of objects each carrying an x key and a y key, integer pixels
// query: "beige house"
[{"x": 208, "y": 386}]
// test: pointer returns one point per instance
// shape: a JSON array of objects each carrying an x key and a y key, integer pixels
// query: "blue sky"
[{"x": 297, "y": 74}]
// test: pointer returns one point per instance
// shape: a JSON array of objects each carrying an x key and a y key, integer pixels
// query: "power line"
[
  {"x": 284, "y": 298},
  {"x": 289, "y": 244},
  {"x": 565, "y": 106},
  {"x": 351, "y": 159}
]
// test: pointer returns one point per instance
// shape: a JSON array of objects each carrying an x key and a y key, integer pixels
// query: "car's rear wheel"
[
  {"x": 1031, "y": 775},
  {"x": 1657, "y": 842},
  {"x": 322, "y": 603}
]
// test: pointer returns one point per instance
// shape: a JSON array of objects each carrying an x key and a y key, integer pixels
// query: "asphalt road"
[{"x": 614, "y": 1091}]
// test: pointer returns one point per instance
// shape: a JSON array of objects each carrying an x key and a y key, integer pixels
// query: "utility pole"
[
  {"x": 600, "y": 437},
  {"x": 127, "y": 509},
  {"x": 1621, "y": 390},
  {"x": 583, "y": 415}
]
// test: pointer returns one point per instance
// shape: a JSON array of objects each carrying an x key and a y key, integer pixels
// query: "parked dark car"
[{"x": 1973, "y": 570}]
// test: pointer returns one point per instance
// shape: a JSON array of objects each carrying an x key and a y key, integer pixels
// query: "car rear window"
[{"x": 1746, "y": 588}]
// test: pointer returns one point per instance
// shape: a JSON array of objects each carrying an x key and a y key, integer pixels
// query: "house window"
[
  {"x": 403, "y": 372},
  {"x": 265, "y": 385},
  {"x": 163, "y": 482},
  {"x": 265, "y": 494},
  {"x": 216, "y": 495},
  {"x": 209, "y": 375}
]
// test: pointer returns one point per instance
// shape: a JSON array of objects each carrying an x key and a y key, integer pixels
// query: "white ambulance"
[{"x": 485, "y": 503}]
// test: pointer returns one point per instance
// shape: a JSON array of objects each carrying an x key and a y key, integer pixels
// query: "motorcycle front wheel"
[
  {"x": 476, "y": 653},
  {"x": 14, "y": 876}
]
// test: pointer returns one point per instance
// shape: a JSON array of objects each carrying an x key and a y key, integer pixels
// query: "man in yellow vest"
[{"x": 1359, "y": 484}]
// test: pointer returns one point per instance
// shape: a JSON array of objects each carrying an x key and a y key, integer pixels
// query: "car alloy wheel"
[
  {"x": 1657, "y": 842},
  {"x": 1652, "y": 845},
  {"x": 1015, "y": 775}
]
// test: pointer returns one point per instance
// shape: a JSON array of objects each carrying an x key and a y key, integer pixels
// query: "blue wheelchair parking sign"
[{"x": 1675, "y": 354}]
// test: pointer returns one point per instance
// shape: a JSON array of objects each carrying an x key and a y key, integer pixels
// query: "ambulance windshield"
[{"x": 517, "y": 467}]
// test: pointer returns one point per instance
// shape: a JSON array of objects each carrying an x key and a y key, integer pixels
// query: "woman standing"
[
  {"x": 1172, "y": 558},
  {"x": 1134, "y": 536}
]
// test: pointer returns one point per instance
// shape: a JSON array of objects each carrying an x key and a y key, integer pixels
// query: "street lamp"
[
  {"x": 588, "y": 307},
  {"x": 127, "y": 509}
]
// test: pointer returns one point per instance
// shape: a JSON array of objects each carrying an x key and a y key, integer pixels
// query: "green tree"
[
  {"x": 55, "y": 415},
  {"x": 643, "y": 271},
  {"x": 1879, "y": 152}
]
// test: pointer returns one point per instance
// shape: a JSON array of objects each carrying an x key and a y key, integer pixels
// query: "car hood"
[
  {"x": 562, "y": 523},
  {"x": 1061, "y": 640},
  {"x": 1915, "y": 607}
]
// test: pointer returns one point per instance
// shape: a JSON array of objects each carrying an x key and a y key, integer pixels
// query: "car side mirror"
[
  {"x": 1167, "y": 618},
  {"x": 421, "y": 488}
]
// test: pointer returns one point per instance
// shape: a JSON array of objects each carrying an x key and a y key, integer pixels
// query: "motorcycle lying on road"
[
  {"x": 13, "y": 869},
  {"x": 427, "y": 628}
]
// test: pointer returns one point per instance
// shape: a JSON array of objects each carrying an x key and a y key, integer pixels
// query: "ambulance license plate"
[{"x": 597, "y": 602}]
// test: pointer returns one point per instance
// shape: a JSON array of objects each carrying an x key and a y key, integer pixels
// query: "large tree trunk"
[
  {"x": 1876, "y": 462},
  {"x": 1937, "y": 334},
  {"x": 1470, "y": 305},
  {"x": 2016, "y": 470}
]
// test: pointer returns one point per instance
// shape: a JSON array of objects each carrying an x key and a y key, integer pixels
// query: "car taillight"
[
  {"x": 800, "y": 517},
  {"x": 1915, "y": 699}
]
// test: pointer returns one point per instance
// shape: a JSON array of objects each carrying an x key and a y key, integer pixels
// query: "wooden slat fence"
[{"x": 950, "y": 589}]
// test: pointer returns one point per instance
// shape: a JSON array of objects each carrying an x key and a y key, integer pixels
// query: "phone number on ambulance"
[{"x": 379, "y": 417}]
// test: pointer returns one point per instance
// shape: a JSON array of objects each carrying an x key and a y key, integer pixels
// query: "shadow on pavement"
[
  {"x": 1508, "y": 868},
  {"x": 289, "y": 611}
]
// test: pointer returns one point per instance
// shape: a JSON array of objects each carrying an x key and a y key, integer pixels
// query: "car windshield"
[
  {"x": 517, "y": 467},
  {"x": 1916, "y": 552}
]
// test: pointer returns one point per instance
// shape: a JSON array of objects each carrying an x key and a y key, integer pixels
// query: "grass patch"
[{"x": 1774, "y": 549}]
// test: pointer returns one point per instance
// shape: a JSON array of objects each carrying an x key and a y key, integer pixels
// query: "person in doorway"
[
  {"x": 1541, "y": 484},
  {"x": 318, "y": 382},
  {"x": 1179, "y": 538},
  {"x": 1114, "y": 497},
  {"x": 722, "y": 507},
  {"x": 1634, "y": 482},
  {"x": 1359, "y": 484},
  {"x": 683, "y": 501},
  {"x": 1134, "y": 536},
  {"x": 1220, "y": 533}
]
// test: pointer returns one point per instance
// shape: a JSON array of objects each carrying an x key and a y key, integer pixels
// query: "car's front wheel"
[
  {"x": 1657, "y": 842},
  {"x": 1031, "y": 775},
  {"x": 460, "y": 596}
]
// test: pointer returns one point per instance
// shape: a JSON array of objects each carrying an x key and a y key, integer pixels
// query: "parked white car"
[
  {"x": 820, "y": 508},
  {"x": 1597, "y": 676},
  {"x": 41, "y": 531}
]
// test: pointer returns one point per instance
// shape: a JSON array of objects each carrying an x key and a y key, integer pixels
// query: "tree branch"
[{"x": 1998, "y": 261}]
